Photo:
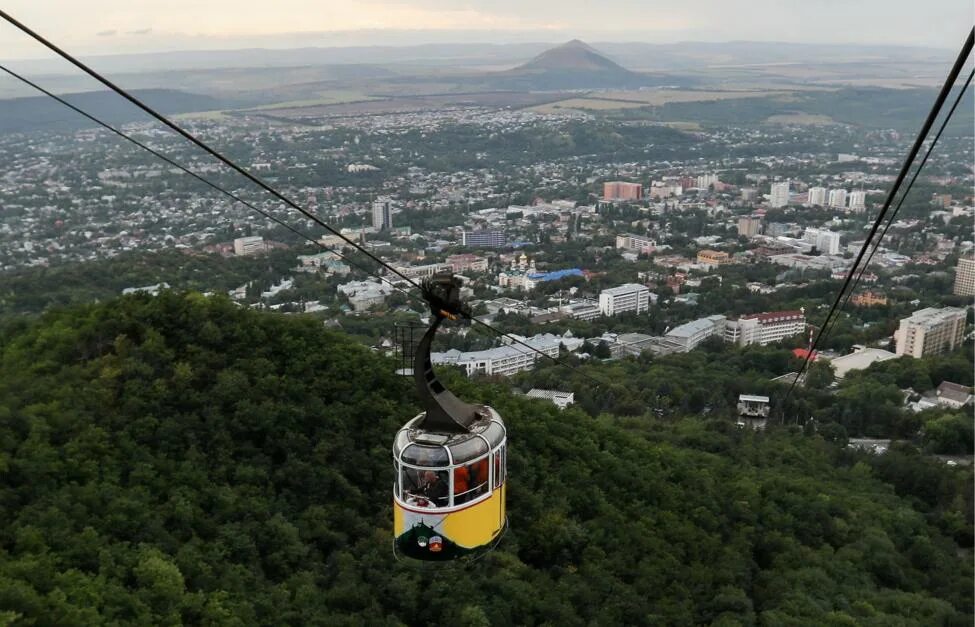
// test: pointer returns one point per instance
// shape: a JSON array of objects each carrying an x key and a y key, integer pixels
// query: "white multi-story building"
[
  {"x": 502, "y": 360},
  {"x": 382, "y": 214},
  {"x": 582, "y": 310},
  {"x": 635, "y": 243},
  {"x": 857, "y": 201},
  {"x": 623, "y": 298},
  {"x": 930, "y": 331},
  {"x": 687, "y": 336},
  {"x": 817, "y": 196},
  {"x": 365, "y": 294},
  {"x": 665, "y": 189},
  {"x": 825, "y": 241},
  {"x": 764, "y": 328},
  {"x": 152, "y": 290},
  {"x": 244, "y": 246},
  {"x": 780, "y": 194},
  {"x": 837, "y": 198},
  {"x": 558, "y": 398}
]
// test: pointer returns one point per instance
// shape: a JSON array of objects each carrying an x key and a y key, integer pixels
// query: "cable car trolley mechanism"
[{"x": 449, "y": 492}]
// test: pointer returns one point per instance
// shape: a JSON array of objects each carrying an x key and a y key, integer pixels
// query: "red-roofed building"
[
  {"x": 765, "y": 328},
  {"x": 802, "y": 353}
]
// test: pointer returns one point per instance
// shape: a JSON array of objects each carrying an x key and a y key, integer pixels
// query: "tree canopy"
[{"x": 179, "y": 459}]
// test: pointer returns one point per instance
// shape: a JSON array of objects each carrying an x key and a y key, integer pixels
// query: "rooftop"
[
  {"x": 626, "y": 288},
  {"x": 932, "y": 316},
  {"x": 555, "y": 274},
  {"x": 860, "y": 360},
  {"x": 751, "y": 398},
  {"x": 695, "y": 326},
  {"x": 954, "y": 392},
  {"x": 773, "y": 316}
]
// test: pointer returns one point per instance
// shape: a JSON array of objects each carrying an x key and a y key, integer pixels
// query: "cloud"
[
  {"x": 141, "y": 31},
  {"x": 107, "y": 33}
]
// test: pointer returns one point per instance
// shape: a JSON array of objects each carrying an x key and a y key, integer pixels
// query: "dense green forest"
[{"x": 180, "y": 459}]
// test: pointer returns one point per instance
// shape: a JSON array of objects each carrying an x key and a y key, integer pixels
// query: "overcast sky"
[{"x": 110, "y": 26}]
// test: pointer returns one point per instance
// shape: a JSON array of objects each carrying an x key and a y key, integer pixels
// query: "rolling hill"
[{"x": 43, "y": 113}]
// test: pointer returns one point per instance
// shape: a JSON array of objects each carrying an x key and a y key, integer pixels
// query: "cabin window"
[
  {"x": 500, "y": 465},
  {"x": 468, "y": 449},
  {"x": 494, "y": 433},
  {"x": 480, "y": 479},
  {"x": 463, "y": 487},
  {"x": 429, "y": 456},
  {"x": 425, "y": 487}
]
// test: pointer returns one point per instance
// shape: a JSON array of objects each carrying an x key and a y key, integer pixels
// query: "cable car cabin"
[
  {"x": 450, "y": 460},
  {"x": 448, "y": 497},
  {"x": 753, "y": 406},
  {"x": 753, "y": 411}
]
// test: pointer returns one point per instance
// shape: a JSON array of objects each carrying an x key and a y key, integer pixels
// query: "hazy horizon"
[
  {"x": 109, "y": 27},
  {"x": 459, "y": 40}
]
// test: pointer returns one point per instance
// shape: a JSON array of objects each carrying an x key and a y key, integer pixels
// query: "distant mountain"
[
  {"x": 42, "y": 113},
  {"x": 574, "y": 55},
  {"x": 572, "y": 65}
]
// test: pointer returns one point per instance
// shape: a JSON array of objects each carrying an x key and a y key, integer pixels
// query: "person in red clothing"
[
  {"x": 462, "y": 483},
  {"x": 479, "y": 476}
]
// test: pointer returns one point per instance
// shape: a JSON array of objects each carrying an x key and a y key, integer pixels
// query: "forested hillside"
[{"x": 182, "y": 460}]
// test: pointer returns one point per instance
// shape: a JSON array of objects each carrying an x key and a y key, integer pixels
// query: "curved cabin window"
[
  {"x": 500, "y": 465},
  {"x": 428, "y": 456},
  {"x": 480, "y": 477},
  {"x": 427, "y": 484},
  {"x": 468, "y": 449},
  {"x": 494, "y": 433}
]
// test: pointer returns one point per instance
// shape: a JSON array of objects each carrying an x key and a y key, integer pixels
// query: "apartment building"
[{"x": 930, "y": 331}]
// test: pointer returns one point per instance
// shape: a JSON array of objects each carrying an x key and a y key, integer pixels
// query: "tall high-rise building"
[
  {"x": 817, "y": 196},
  {"x": 749, "y": 226},
  {"x": 837, "y": 198},
  {"x": 965, "y": 277},
  {"x": 857, "y": 200},
  {"x": 930, "y": 332},
  {"x": 825, "y": 241},
  {"x": 780, "y": 194},
  {"x": 621, "y": 190},
  {"x": 382, "y": 214}
]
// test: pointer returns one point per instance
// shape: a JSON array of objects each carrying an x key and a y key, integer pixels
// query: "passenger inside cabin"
[
  {"x": 434, "y": 488},
  {"x": 479, "y": 477},
  {"x": 462, "y": 482}
]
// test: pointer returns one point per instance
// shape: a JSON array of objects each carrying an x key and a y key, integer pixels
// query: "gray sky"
[{"x": 124, "y": 26}]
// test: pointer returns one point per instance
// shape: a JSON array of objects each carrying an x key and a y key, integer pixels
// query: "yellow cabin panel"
[{"x": 469, "y": 528}]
